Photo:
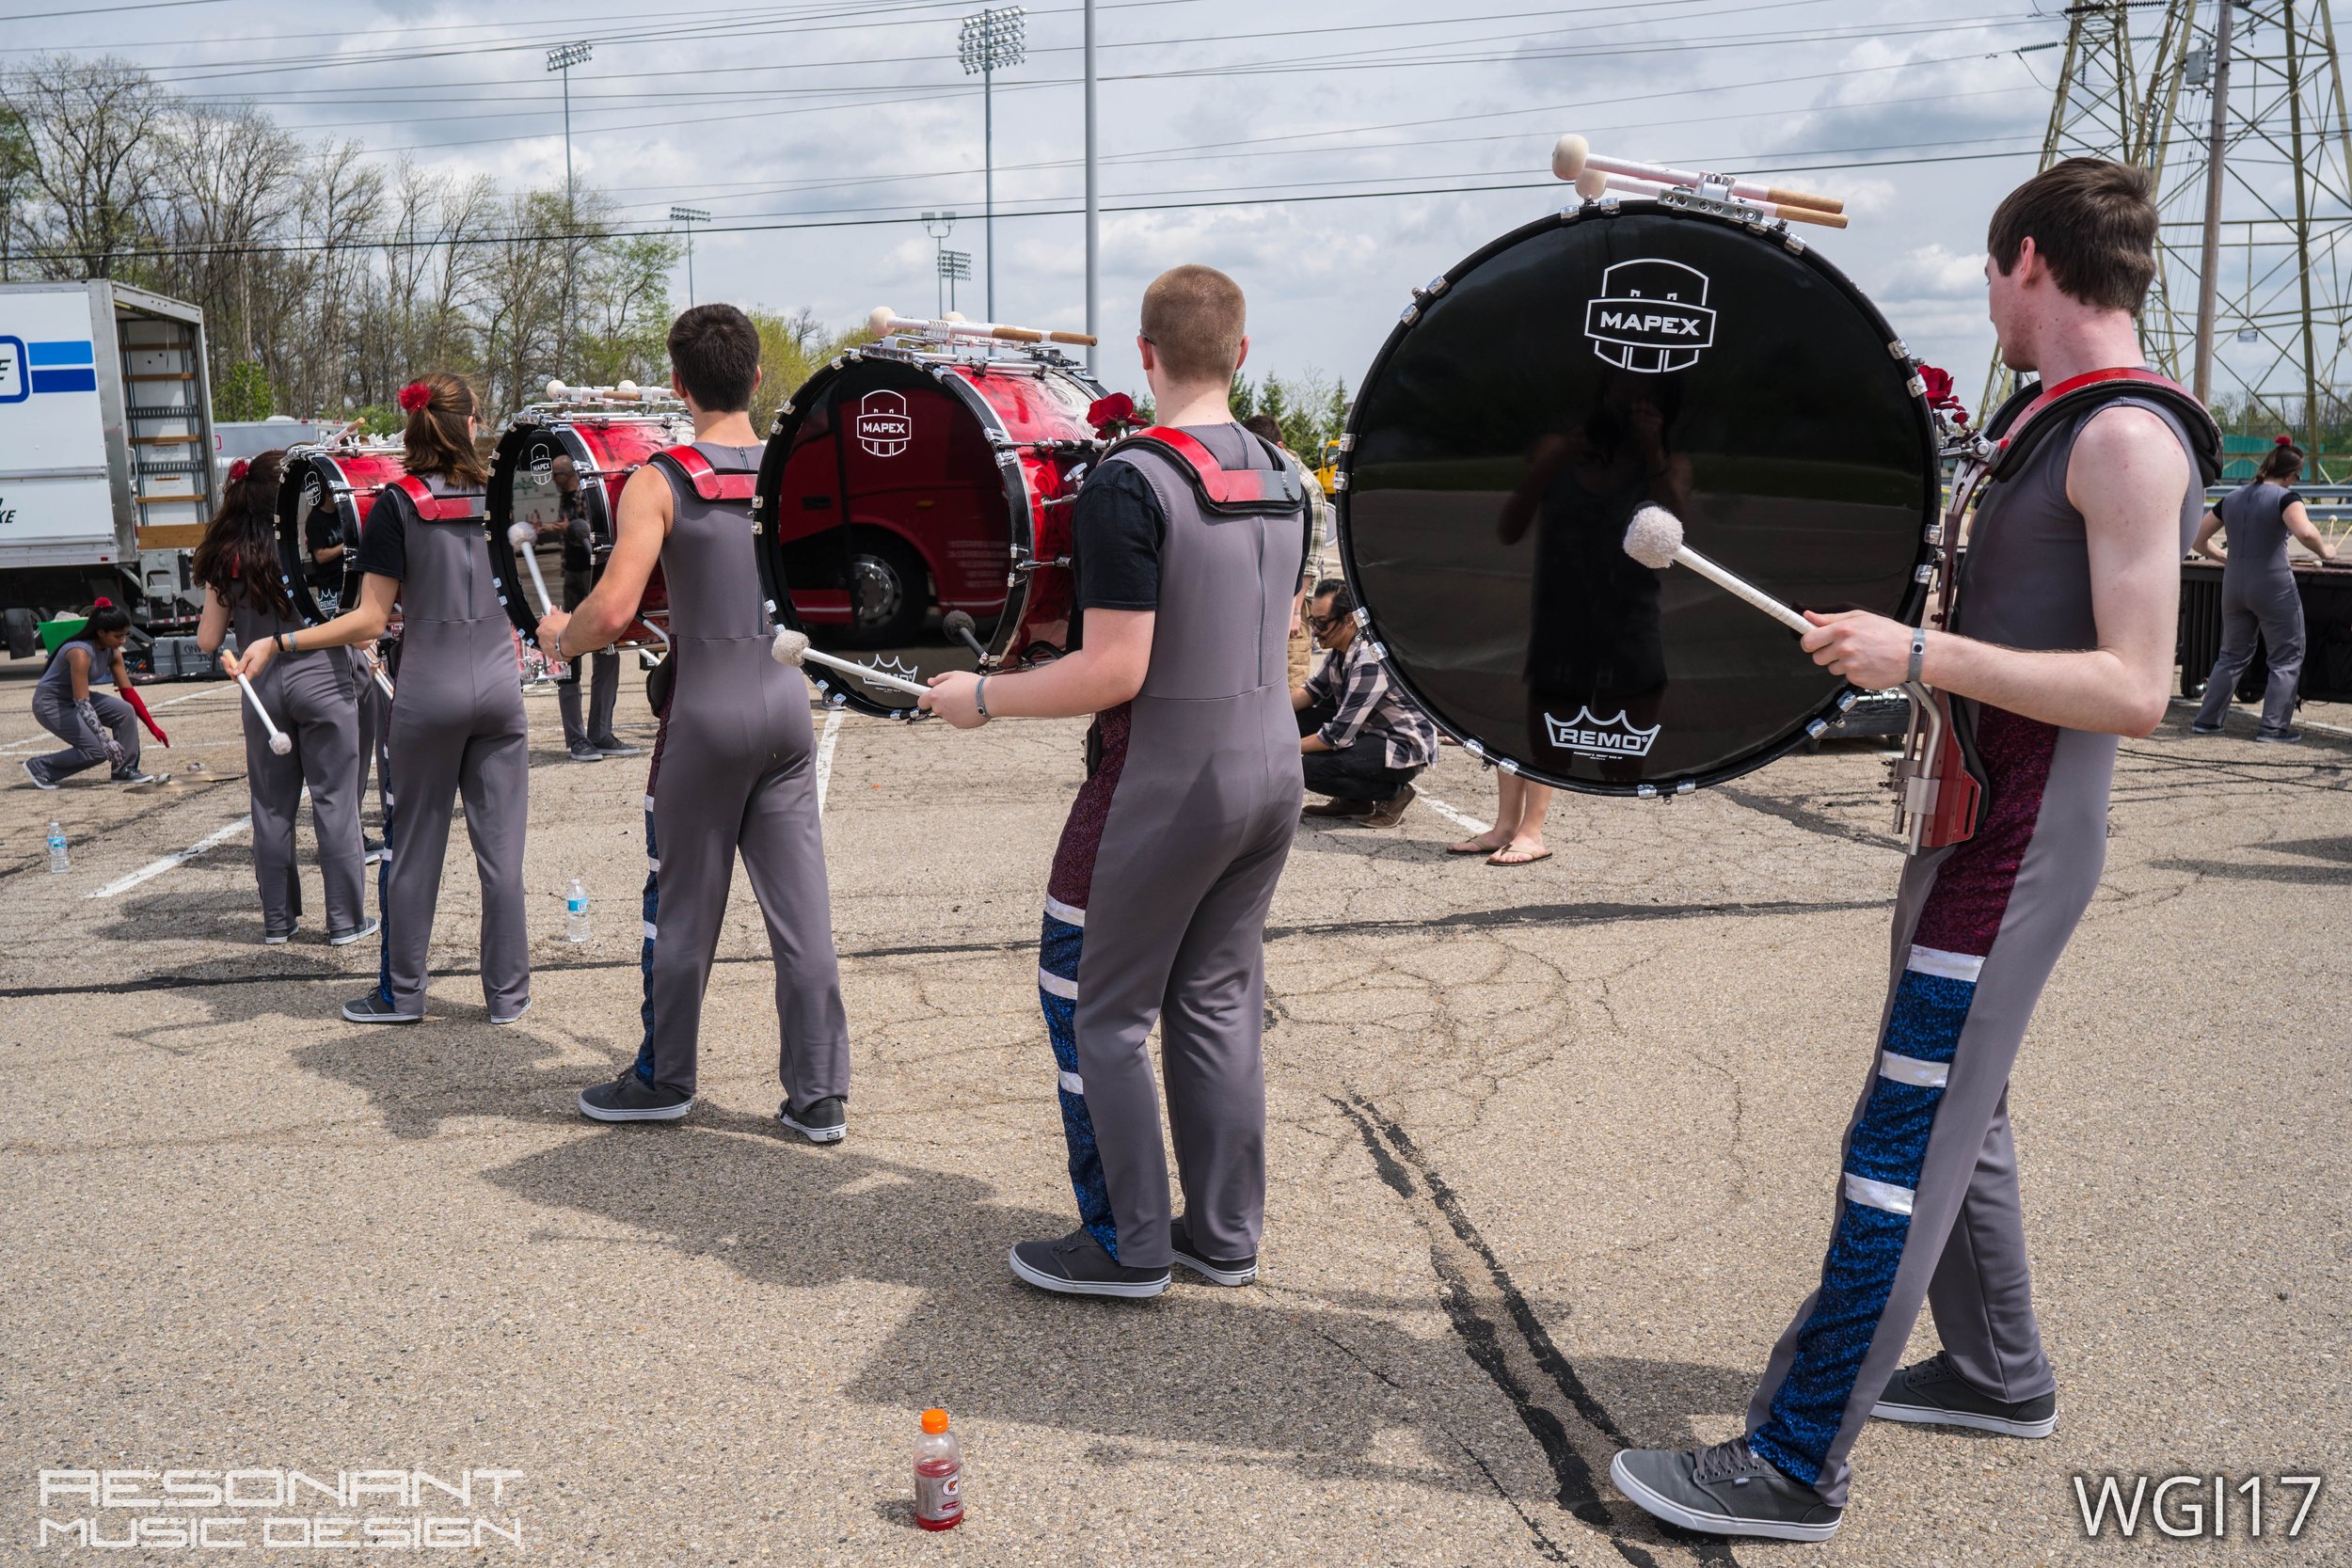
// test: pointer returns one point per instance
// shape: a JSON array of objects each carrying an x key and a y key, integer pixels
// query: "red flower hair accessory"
[
  {"x": 1940, "y": 395},
  {"x": 1111, "y": 416},
  {"x": 102, "y": 602},
  {"x": 237, "y": 471},
  {"x": 2282, "y": 442},
  {"x": 414, "y": 396}
]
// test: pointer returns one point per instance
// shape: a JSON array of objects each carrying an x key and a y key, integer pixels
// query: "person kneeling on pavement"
[{"x": 1361, "y": 741}]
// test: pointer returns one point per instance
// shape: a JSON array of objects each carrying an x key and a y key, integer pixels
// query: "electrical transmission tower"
[{"x": 2237, "y": 108}]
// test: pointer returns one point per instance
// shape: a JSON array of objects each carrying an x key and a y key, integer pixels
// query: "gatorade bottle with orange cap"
[{"x": 938, "y": 1475}]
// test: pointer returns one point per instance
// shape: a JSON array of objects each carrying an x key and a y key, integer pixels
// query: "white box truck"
[{"x": 106, "y": 475}]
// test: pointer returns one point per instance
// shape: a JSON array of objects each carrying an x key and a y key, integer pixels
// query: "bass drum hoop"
[
  {"x": 838, "y": 690},
  {"x": 293, "y": 518},
  {"x": 1826, "y": 713}
]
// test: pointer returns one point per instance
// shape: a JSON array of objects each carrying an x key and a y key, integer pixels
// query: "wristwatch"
[{"x": 1918, "y": 652}]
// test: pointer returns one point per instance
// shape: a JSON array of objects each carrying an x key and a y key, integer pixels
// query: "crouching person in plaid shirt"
[{"x": 1361, "y": 740}]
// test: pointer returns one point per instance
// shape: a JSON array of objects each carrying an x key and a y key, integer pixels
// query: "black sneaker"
[
  {"x": 140, "y": 776},
  {"x": 614, "y": 746},
  {"x": 629, "y": 1098},
  {"x": 375, "y": 1007},
  {"x": 355, "y": 933},
  {"x": 2205, "y": 729},
  {"x": 582, "y": 752},
  {"x": 2278, "y": 737},
  {"x": 826, "y": 1121},
  {"x": 1935, "y": 1394},
  {"x": 276, "y": 938},
  {"x": 1217, "y": 1271},
  {"x": 40, "y": 780},
  {"x": 371, "y": 850},
  {"x": 1724, "y": 1490},
  {"x": 1076, "y": 1266}
]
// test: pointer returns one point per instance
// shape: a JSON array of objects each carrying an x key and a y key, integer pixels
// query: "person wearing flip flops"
[
  {"x": 1518, "y": 836},
  {"x": 1360, "y": 740}
]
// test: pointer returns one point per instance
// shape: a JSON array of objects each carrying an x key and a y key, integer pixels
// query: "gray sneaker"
[
  {"x": 1935, "y": 1394},
  {"x": 1076, "y": 1266},
  {"x": 614, "y": 746},
  {"x": 582, "y": 752},
  {"x": 822, "y": 1121},
  {"x": 1724, "y": 1490}
]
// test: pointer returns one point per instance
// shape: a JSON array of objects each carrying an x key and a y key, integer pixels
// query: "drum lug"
[
  {"x": 1897, "y": 349},
  {"x": 1646, "y": 792},
  {"x": 1432, "y": 289},
  {"x": 1411, "y": 314},
  {"x": 1363, "y": 618},
  {"x": 1916, "y": 385},
  {"x": 1686, "y": 787},
  {"x": 1923, "y": 574},
  {"x": 1796, "y": 246}
]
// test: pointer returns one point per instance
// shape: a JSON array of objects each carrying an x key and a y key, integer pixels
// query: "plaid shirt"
[{"x": 1356, "y": 684}]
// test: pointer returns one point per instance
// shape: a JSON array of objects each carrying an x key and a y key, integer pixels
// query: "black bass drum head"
[{"x": 1567, "y": 374}]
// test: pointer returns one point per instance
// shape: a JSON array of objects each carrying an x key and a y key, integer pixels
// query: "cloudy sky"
[{"x": 1327, "y": 156}]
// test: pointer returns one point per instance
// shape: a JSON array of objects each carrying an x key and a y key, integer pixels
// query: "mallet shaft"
[
  {"x": 255, "y": 698},
  {"x": 872, "y": 676},
  {"x": 1731, "y": 582}
]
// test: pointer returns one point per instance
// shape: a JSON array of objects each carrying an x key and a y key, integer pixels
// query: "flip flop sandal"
[
  {"x": 1517, "y": 856},
  {"x": 1466, "y": 848}
]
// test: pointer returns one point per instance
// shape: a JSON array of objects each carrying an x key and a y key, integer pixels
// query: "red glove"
[{"x": 131, "y": 695}]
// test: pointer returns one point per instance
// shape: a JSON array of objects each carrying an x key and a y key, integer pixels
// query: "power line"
[{"x": 101, "y": 10}]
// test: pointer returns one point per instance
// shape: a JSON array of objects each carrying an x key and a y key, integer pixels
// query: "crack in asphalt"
[{"x": 1459, "y": 1253}]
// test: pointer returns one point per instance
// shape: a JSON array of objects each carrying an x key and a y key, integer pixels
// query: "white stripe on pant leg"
[
  {"x": 1951, "y": 966},
  {"x": 1069, "y": 914},
  {"x": 1878, "y": 1195},
  {"x": 1054, "y": 985},
  {"x": 649, "y": 930},
  {"x": 1072, "y": 1084},
  {"x": 1910, "y": 1069}
]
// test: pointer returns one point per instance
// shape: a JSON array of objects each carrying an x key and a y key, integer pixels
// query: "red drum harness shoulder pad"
[
  {"x": 2031, "y": 414},
  {"x": 441, "y": 509},
  {"x": 711, "y": 484},
  {"x": 1232, "y": 491}
]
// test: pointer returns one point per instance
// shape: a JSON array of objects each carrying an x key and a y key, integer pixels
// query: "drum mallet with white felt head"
[
  {"x": 1571, "y": 155},
  {"x": 280, "y": 742},
  {"x": 886, "y": 322},
  {"x": 792, "y": 647},
  {"x": 957, "y": 624},
  {"x": 375, "y": 668},
  {"x": 522, "y": 536},
  {"x": 1654, "y": 538}
]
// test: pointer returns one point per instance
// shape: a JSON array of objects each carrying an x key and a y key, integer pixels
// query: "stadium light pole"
[
  {"x": 689, "y": 217},
  {"x": 562, "y": 58},
  {"x": 954, "y": 266},
  {"x": 1094, "y": 203},
  {"x": 991, "y": 40},
  {"x": 939, "y": 226}
]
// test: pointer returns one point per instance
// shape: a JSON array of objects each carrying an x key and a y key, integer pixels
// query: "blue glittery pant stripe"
[
  {"x": 1888, "y": 1145},
  {"x": 1057, "y": 954},
  {"x": 644, "y": 948}
]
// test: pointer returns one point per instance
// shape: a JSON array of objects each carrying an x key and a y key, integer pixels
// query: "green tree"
[{"x": 244, "y": 393}]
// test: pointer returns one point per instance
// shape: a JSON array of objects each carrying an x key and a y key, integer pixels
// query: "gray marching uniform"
[
  {"x": 456, "y": 726},
  {"x": 312, "y": 696},
  {"x": 1157, "y": 902},
  {"x": 1927, "y": 1207},
  {"x": 55, "y": 710},
  {"x": 2258, "y": 597},
  {"x": 741, "y": 780}
]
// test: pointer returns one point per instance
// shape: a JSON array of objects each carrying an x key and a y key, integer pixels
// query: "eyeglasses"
[{"x": 1324, "y": 623}]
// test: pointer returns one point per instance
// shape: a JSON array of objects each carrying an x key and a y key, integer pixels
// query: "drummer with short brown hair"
[{"x": 1189, "y": 542}]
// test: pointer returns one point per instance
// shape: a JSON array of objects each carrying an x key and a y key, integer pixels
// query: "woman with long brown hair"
[
  {"x": 457, "y": 724},
  {"x": 312, "y": 695}
]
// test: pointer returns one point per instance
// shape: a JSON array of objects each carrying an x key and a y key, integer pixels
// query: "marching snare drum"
[
  {"x": 907, "y": 481},
  {"x": 1533, "y": 399},
  {"x": 560, "y": 468},
  {"x": 338, "y": 481}
]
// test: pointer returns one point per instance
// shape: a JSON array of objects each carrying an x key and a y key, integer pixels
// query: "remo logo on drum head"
[
  {"x": 1652, "y": 316},
  {"x": 884, "y": 425}
]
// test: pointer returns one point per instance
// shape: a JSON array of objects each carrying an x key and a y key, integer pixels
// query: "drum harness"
[{"x": 1942, "y": 789}]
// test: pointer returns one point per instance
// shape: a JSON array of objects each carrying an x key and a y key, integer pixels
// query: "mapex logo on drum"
[
  {"x": 1591, "y": 736},
  {"x": 884, "y": 425},
  {"x": 1652, "y": 316}
]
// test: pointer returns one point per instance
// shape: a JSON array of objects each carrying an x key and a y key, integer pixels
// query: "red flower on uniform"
[
  {"x": 1111, "y": 414},
  {"x": 414, "y": 396},
  {"x": 1940, "y": 395}
]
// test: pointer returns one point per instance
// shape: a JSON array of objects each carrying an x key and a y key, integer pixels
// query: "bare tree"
[
  {"x": 231, "y": 181},
  {"x": 95, "y": 127}
]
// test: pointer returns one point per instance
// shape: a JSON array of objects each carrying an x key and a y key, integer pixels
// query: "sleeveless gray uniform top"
[
  {"x": 57, "y": 679},
  {"x": 2255, "y": 517},
  {"x": 733, "y": 773}
]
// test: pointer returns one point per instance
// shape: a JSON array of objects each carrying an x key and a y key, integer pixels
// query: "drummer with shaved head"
[
  {"x": 2062, "y": 641},
  {"x": 1189, "y": 540}
]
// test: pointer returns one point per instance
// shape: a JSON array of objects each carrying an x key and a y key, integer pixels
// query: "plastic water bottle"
[
  {"x": 938, "y": 1475},
  {"x": 576, "y": 912},
  {"x": 57, "y": 847}
]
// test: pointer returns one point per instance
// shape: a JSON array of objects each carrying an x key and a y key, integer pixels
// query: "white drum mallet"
[
  {"x": 1572, "y": 159},
  {"x": 521, "y": 537},
  {"x": 792, "y": 647},
  {"x": 280, "y": 742},
  {"x": 1654, "y": 538}
]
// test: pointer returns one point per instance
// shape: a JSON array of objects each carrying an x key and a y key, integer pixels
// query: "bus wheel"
[{"x": 888, "y": 590}]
